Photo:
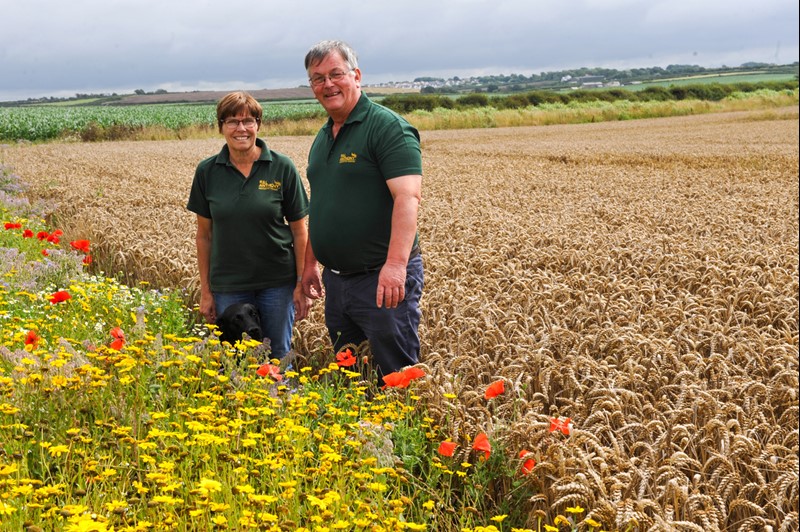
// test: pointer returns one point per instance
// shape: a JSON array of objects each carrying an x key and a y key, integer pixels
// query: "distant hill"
[
  {"x": 298, "y": 93},
  {"x": 262, "y": 95}
]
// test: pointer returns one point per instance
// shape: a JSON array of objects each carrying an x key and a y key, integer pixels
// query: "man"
[{"x": 365, "y": 172}]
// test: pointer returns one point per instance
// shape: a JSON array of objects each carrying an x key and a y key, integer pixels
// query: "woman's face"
[{"x": 240, "y": 131}]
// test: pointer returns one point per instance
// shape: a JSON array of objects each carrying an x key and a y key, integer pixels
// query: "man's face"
[{"x": 337, "y": 97}]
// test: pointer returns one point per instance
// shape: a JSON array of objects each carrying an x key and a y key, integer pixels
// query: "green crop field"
[
  {"x": 755, "y": 77},
  {"x": 49, "y": 122}
]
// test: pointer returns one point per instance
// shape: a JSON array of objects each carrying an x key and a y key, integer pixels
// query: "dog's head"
[{"x": 238, "y": 319}]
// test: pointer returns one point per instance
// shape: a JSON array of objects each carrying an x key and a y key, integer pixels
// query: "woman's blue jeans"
[{"x": 276, "y": 306}]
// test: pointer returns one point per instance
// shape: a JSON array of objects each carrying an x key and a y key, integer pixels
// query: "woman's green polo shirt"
[{"x": 251, "y": 242}]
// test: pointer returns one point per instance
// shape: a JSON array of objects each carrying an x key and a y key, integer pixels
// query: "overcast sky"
[{"x": 60, "y": 48}]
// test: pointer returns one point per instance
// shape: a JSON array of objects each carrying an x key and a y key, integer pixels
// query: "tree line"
[{"x": 405, "y": 103}]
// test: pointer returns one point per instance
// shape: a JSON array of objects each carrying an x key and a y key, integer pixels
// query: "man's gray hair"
[{"x": 323, "y": 49}]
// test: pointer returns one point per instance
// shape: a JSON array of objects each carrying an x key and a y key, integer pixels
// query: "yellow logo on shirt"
[
  {"x": 265, "y": 185},
  {"x": 347, "y": 158}
]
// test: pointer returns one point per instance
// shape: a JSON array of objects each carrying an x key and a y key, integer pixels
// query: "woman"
[{"x": 251, "y": 225}]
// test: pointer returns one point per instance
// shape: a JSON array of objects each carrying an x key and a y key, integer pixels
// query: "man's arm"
[{"x": 407, "y": 193}]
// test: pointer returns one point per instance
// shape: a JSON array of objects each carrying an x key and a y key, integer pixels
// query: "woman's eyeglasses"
[{"x": 233, "y": 123}]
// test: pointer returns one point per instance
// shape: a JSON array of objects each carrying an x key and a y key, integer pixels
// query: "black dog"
[{"x": 238, "y": 319}]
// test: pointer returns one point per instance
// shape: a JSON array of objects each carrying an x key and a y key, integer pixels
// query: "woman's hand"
[
  {"x": 302, "y": 304},
  {"x": 207, "y": 307}
]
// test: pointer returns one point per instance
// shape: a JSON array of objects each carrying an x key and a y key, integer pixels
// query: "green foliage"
[
  {"x": 542, "y": 97},
  {"x": 657, "y": 94},
  {"x": 407, "y": 103},
  {"x": 472, "y": 100}
]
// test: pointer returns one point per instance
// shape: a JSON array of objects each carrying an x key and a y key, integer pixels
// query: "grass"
[
  {"x": 115, "y": 416},
  {"x": 596, "y": 111},
  {"x": 731, "y": 77}
]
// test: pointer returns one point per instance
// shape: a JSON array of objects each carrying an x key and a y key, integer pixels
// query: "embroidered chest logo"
[
  {"x": 266, "y": 185},
  {"x": 348, "y": 158}
]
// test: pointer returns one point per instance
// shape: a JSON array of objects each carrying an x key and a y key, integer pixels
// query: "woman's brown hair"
[{"x": 235, "y": 102}]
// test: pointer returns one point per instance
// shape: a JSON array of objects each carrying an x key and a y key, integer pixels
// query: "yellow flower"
[
  {"x": 377, "y": 486},
  {"x": 6, "y": 509},
  {"x": 208, "y": 485},
  {"x": 166, "y": 499},
  {"x": 549, "y": 528},
  {"x": 428, "y": 505},
  {"x": 499, "y": 518},
  {"x": 25, "y": 489},
  {"x": 58, "y": 450},
  {"x": 7, "y": 470},
  {"x": 592, "y": 523},
  {"x": 574, "y": 510}
]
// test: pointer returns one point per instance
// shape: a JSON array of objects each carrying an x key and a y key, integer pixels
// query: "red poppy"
[
  {"x": 80, "y": 245},
  {"x": 494, "y": 389},
  {"x": 413, "y": 373},
  {"x": 45, "y": 252},
  {"x": 270, "y": 370},
  {"x": 401, "y": 379},
  {"x": 119, "y": 339},
  {"x": 60, "y": 296},
  {"x": 345, "y": 358},
  {"x": 13, "y": 225},
  {"x": 447, "y": 448},
  {"x": 564, "y": 425},
  {"x": 27, "y": 233},
  {"x": 528, "y": 464},
  {"x": 394, "y": 380},
  {"x": 481, "y": 443},
  {"x": 32, "y": 339},
  {"x": 42, "y": 235},
  {"x": 53, "y": 238},
  {"x": 87, "y": 260}
]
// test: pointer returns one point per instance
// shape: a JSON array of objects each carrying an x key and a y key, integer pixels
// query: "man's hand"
[
  {"x": 391, "y": 285},
  {"x": 312, "y": 283}
]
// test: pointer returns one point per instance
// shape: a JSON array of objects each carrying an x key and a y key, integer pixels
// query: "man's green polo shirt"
[
  {"x": 251, "y": 242},
  {"x": 350, "y": 218}
]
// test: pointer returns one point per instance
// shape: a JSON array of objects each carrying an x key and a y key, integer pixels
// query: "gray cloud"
[{"x": 57, "y": 48}]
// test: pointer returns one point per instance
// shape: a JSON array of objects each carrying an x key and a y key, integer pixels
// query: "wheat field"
[{"x": 638, "y": 277}]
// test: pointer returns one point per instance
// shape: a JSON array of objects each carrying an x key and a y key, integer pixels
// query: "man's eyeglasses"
[
  {"x": 233, "y": 123},
  {"x": 334, "y": 76}
]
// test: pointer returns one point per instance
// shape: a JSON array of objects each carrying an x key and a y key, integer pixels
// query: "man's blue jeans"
[
  {"x": 276, "y": 306},
  {"x": 352, "y": 316}
]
